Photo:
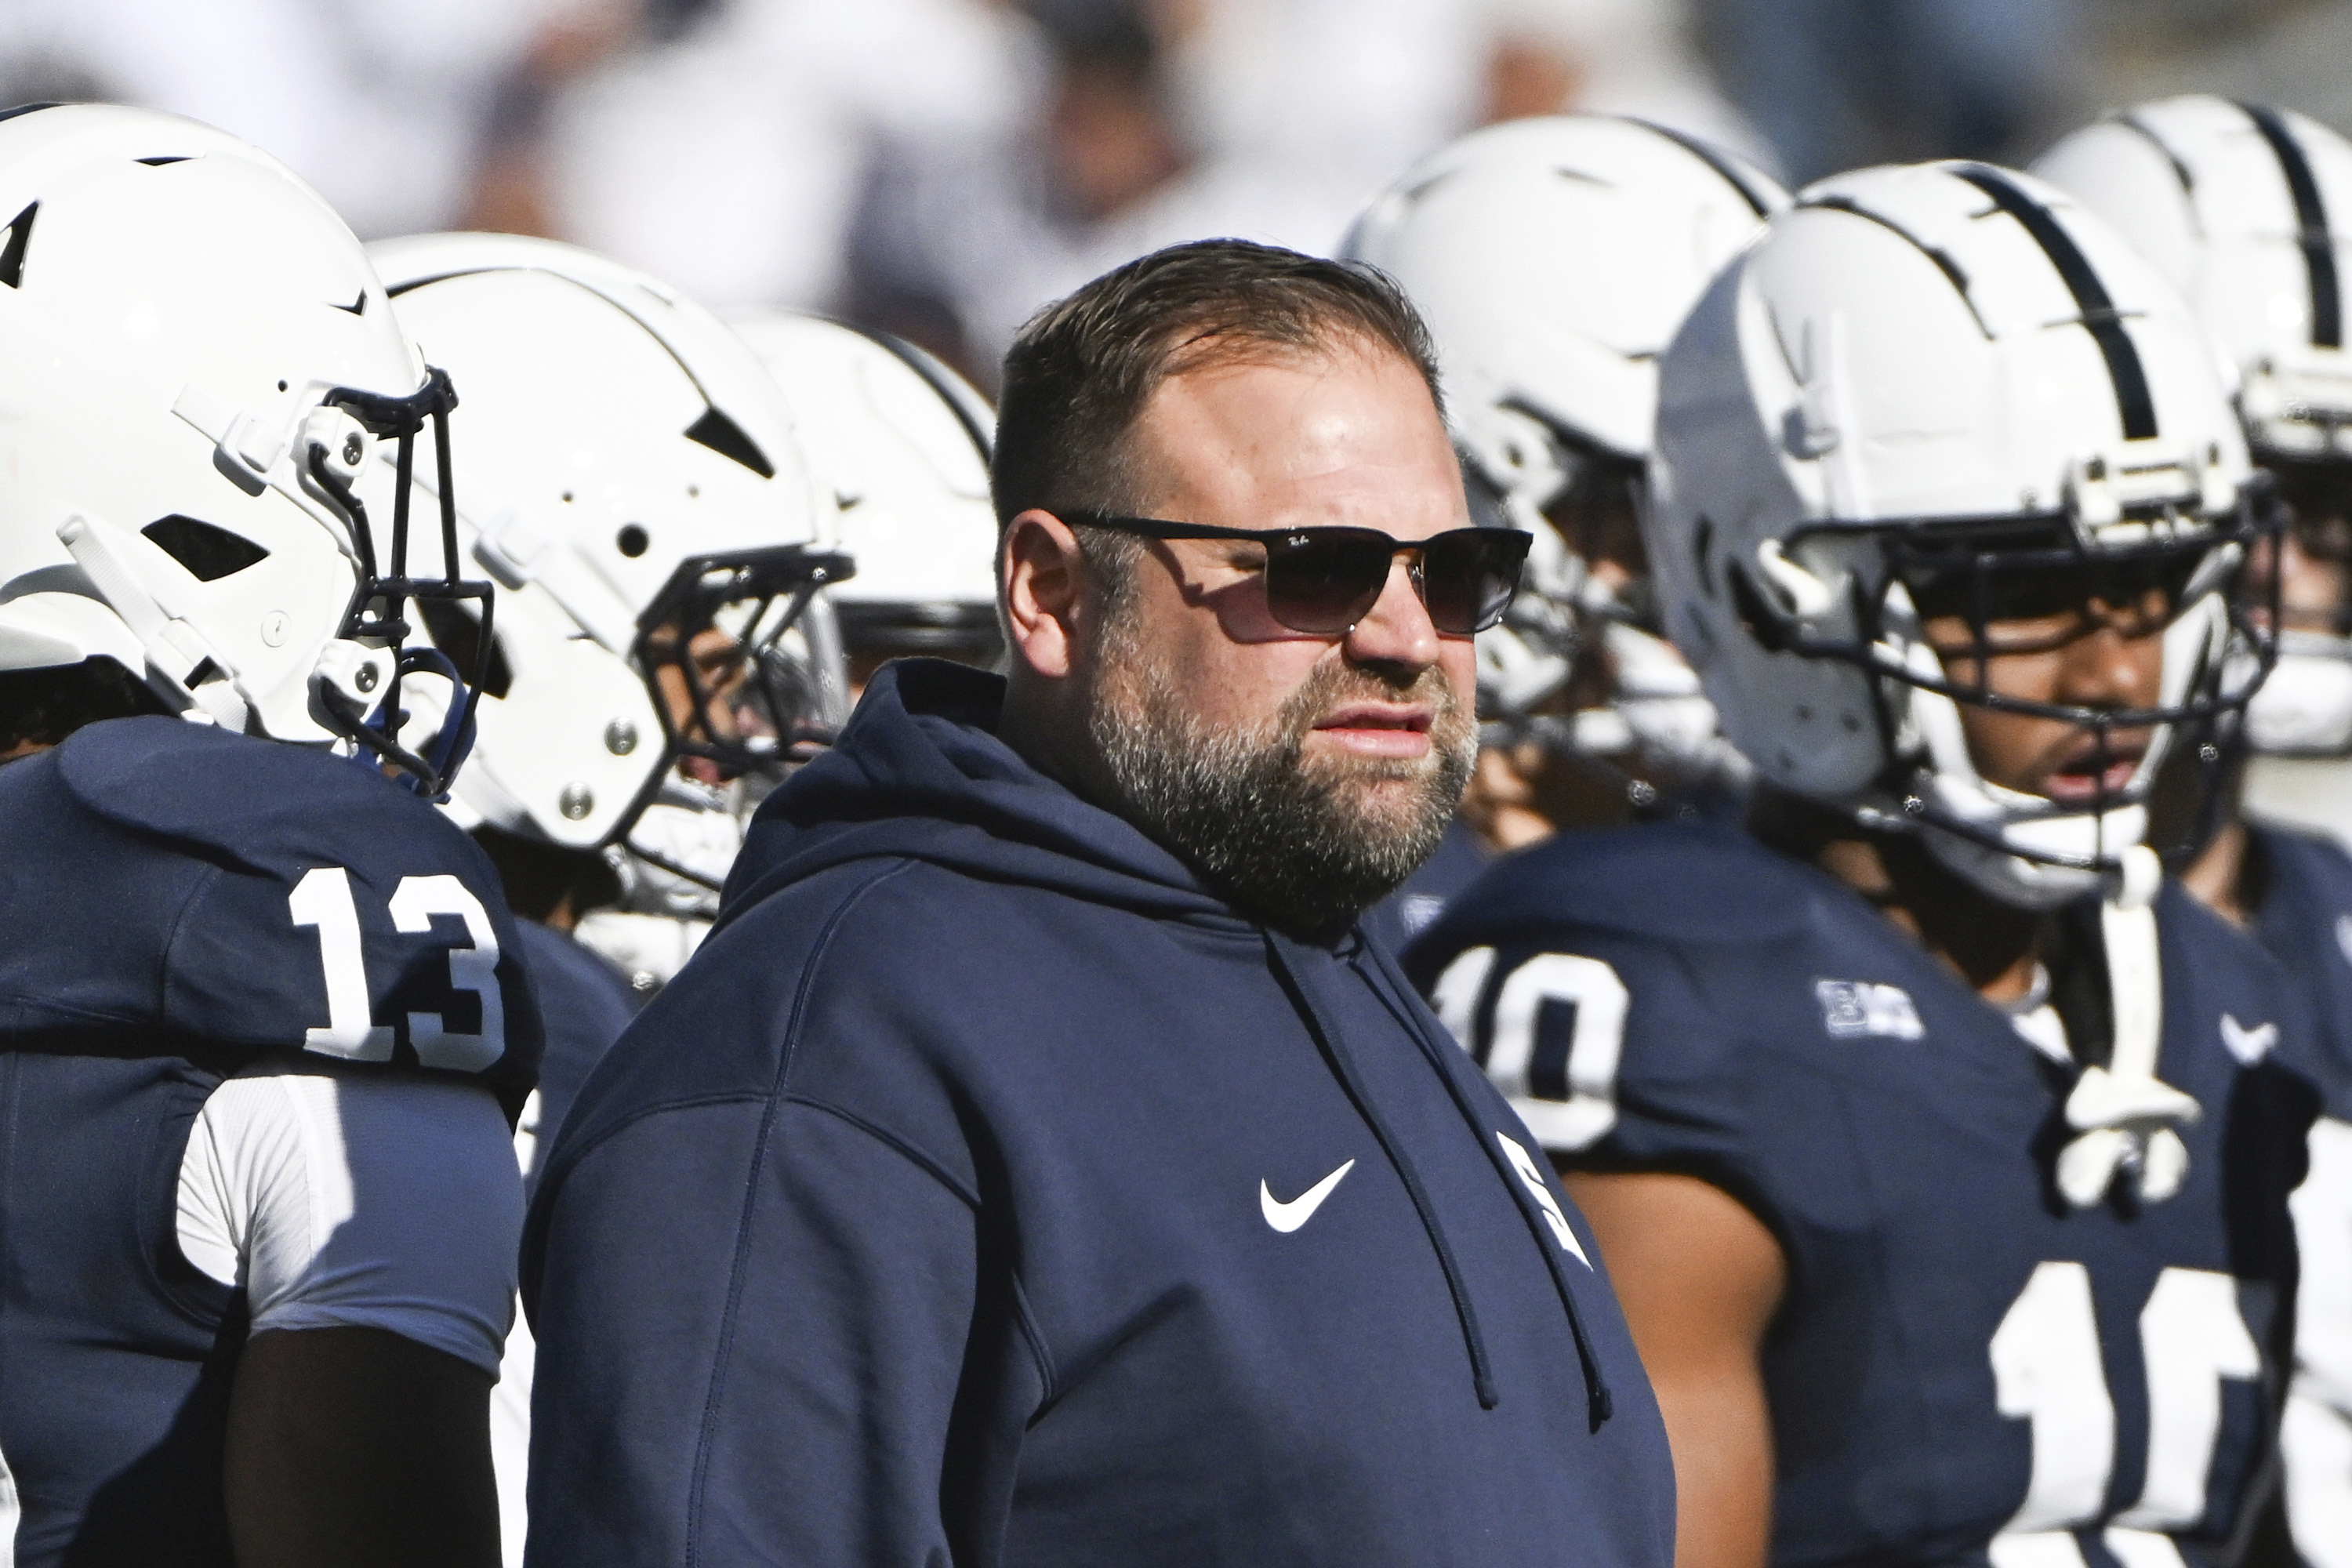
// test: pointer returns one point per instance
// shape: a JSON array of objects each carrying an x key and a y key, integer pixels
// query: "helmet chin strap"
[
  {"x": 2014, "y": 848},
  {"x": 2033, "y": 862},
  {"x": 2124, "y": 1117}
]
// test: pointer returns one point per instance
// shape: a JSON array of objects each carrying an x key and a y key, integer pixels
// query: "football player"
[
  {"x": 263, "y": 1025},
  {"x": 1940, "y": 1147},
  {"x": 898, "y": 446},
  {"x": 1553, "y": 258},
  {"x": 2247, "y": 210},
  {"x": 903, "y": 443},
  {"x": 654, "y": 659}
]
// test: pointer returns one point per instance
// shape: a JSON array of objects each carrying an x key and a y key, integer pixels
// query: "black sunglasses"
[{"x": 1322, "y": 580}]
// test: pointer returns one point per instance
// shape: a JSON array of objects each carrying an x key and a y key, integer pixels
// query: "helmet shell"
[
  {"x": 174, "y": 306},
  {"x": 1944, "y": 341},
  {"x": 902, "y": 443},
  {"x": 612, "y": 430}
]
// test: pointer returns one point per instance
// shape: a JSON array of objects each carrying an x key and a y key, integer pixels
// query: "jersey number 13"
[{"x": 322, "y": 900}]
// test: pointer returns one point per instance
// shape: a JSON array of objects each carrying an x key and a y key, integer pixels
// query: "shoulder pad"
[
  {"x": 255, "y": 896},
  {"x": 1696, "y": 882}
]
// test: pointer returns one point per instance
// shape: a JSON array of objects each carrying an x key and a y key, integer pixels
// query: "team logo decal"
[
  {"x": 1862, "y": 1009},
  {"x": 2249, "y": 1046}
]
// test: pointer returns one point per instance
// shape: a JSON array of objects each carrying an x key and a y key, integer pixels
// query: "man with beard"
[{"x": 1035, "y": 1164}]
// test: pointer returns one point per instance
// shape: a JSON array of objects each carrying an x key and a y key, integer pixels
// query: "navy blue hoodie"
[{"x": 986, "y": 1191}]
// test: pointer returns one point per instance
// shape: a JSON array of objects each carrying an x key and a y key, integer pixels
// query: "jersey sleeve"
[
  {"x": 259, "y": 898},
  {"x": 337, "y": 1198},
  {"x": 1608, "y": 1049}
]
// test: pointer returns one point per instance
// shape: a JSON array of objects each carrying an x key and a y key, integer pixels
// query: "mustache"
[{"x": 1332, "y": 686}]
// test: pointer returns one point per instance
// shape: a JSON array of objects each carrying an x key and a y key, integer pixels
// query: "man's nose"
[
  {"x": 2108, "y": 668},
  {"x": 1397, "y": 629}
]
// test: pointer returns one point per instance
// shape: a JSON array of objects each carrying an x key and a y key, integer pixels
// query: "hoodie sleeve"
[{"x": 753, "y": 1323}]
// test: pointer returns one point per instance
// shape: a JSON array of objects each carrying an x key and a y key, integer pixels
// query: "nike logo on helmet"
[{"x": 1287, "y": 1217}]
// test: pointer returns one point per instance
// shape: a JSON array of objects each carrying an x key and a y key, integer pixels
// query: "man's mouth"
[
  {"x": 1378, "y": 729},
  {"x": 2096, "y": 774}
]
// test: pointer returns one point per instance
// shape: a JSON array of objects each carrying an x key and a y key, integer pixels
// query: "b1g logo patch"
[{"x": 1862, "y": 1009}]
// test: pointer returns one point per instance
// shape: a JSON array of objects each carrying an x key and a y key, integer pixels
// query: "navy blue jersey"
[
  {"x": 1404, "y": 915},
  {"x": 586, "y": 1003},
  {"x": 176, "y": 904},
  {"x": 1960, "y": 1355},
  {"x": 2305, "y": 921}
]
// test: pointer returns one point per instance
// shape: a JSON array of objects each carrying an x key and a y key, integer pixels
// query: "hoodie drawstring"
[
  {"x": 1598, "y": 1403},
  {"x": 1343, "y": 1067}
]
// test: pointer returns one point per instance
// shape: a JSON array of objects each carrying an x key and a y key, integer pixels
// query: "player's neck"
[
  {"x": 2228, "y": 875},
  {"x": 1992, "y": 946}
]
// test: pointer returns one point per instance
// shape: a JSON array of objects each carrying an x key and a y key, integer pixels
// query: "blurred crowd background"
[{"x": 942, "y": 167}]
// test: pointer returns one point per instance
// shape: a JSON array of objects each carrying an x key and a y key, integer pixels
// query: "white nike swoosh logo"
[
  {"x": 1287, "y": 1217},
  {"x": 2249, "y": 1046}
]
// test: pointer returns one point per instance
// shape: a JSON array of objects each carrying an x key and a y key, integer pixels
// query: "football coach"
[{"x": 1036, "y": 1166}]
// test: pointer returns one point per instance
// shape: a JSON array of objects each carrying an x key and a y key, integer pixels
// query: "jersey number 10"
[{"x": 322, "y": 900}]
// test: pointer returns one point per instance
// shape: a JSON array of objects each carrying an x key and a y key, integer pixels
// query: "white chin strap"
[
  {"x": 2124, "y": 1117},
  {"x": 686, "y": 826},
  {"x": 2029, "y": 870},
  {"x": 1526, "y": 659},
  {"x": 2304, "y": 708},
  {"x": 2025, "y": 854}
]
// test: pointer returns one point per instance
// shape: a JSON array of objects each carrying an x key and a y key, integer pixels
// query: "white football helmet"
[
  {"x": 2247, "y": 210},
  {"x": 1941, "y": 390},
  {"x": 1552, "y": 259},
  {"x": 635, "y": 485},
  {"x": 197, "y": 362},
  {"x": 903, "y": 442}
]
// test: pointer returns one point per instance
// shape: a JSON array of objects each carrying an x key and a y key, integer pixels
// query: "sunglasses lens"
[
  {"x": 1469, "y": 576},
  {"x": 1325, "y": 580}
]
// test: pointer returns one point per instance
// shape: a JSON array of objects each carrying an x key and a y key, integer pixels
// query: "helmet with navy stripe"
[
  {"x": 2247, "y": 210},
  {"x": 1553, "y": 258},
  {"x": 200, "y": 365},
  {"x": 1937, "y": 391}
]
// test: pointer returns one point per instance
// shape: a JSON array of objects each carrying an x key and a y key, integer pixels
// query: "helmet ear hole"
[
  {"x": 728, "y": 439},
  {"x": 205, "y": 552},
  {"x": 631, "y": 540},
  {"x": 458, "y": 632}
]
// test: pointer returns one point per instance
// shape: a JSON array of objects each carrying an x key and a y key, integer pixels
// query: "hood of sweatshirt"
[{"x": 919, "y": 772}]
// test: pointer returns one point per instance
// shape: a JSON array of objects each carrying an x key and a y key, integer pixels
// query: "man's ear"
[{"x": 1042, "y": 570}]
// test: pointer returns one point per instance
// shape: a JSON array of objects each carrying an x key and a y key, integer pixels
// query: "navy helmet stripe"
[
  {"x": 2180, "y": 171},
  {"x": 1714, "y": 157},
  {"x": 1950, "y": 269},
  {"x": 983, "y": 439},
  {"x": 2100, "y": 318},
  {"x": 2311, "y": 223}
]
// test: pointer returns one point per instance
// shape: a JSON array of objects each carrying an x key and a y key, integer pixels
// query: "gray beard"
[{"x": 1306, "y": 845}]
